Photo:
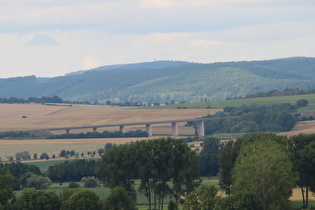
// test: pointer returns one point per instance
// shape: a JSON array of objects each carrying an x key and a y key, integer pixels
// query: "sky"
[{"x": 49, "y": 38}]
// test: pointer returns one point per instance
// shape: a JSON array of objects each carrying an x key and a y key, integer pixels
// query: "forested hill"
[
  {"x": 178, "y": 81},
  {"x": 144, "y": 65}
]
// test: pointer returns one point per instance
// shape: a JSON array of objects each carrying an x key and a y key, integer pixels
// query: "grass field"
[
  {"x": 249, "y": 101},
  {"x": 142, "y": 201}
]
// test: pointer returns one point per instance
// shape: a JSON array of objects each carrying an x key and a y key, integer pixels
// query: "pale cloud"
[
  {"x": 90, "y": 62},
  {"x": 175, "y": 3},
  {"x": 73, "y": 35},
  {"x": 42, "y": 39}
]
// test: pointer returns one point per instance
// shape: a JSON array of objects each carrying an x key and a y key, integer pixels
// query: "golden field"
[{"x": 43, "y": 116}]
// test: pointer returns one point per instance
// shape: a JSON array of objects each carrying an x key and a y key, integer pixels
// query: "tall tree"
[
  {"x": 6, "y": 186},
  {"x": 118, "y": 168},
  {"x": 264, "y": 168},
  {"x": 157, "y": 163},
  {"x": 186, "y": 172},
  {"x": 119, "y": 199},
  {"x": 302, "y": 147},
  {"x": 209, "y": 157},
  {"x": 155, "y": 178},
  {"x": 227, "y": 157}
]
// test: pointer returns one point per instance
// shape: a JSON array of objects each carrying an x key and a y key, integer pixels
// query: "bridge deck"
[{"x": 138, "y": 123}]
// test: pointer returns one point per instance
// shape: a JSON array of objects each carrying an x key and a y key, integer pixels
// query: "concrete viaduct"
[{"x": 148, "y": 125}]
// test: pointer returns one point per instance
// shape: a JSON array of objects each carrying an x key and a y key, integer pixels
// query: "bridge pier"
[
  {"x": 122, "y": 128},
  {"x": 201, "y": 128},
  {"x": 174, "y": 129},
  {"x": 149, "y": 129}
]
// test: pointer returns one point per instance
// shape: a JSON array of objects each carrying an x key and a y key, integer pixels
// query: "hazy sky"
[{"x": 55, "y": 37}]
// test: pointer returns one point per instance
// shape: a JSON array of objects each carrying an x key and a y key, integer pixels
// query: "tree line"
[
  {"x": 43, "y": 99},
  {"x": 257, "y": 171},
  {"x": 268, "y": 166},
  {"x": 15, "y": 134},
  {"x": 72, "y": 171},
  {"x": 253, "y": 118},
  {"x": 165, "y": 166},
  {"x": 67, "y": 199},
  {"x": 105, "y": 134},
  {"x": 17, "y": 170},
  {"x": 285, "y": 92}
]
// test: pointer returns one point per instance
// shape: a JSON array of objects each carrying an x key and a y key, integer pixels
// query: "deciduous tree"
[
  {"x": 302, "y": 147},
  {"x": 209, "y": 157},
  {"x": 118, "y": 199},
  {"x": 32, "y": 199},
  {"x": 157, "y": 163},
  {"x": 38, "y": 182},
  {"x": 239, "y": 201},
  {"x": 263, "y": 168},
  {"x": 44, "y": 155},
  {"x": 6, "y": 186},
  {"x": 227, "y": 157},
  {"x": 90, "y": 182},
  {"x": 204, "y": 197},
  {"x": 82, "y": 200}
]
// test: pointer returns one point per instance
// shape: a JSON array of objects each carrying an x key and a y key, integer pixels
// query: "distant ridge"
[
  {"x": 165, "y": 81},
  {"x": 143, "y": 65}
]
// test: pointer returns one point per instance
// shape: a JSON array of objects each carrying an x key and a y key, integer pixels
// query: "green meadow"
[{"x": 249, "y": 101}]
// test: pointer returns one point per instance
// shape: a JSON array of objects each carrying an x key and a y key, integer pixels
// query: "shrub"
[
  {"x": 74, "y": 185},
  {"x": 24, "y": 177},
  {"x": 44, "y": 155},
  {"x": 119, "y": 199},
  {"x": 38, "y": 182},
  {"x": 68, "y": 192},
  {"x": 239, "y": 201},
  {"x": 37, "y": 199},
  {"x": 301, "y": 103},
  {"x": 83, "y": 199},
  {"x": 25, "y": 155},
  {"x": 90, "y": 182}
]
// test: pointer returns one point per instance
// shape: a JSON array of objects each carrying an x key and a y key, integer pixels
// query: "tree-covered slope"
[{"x": 184, "y": 82}]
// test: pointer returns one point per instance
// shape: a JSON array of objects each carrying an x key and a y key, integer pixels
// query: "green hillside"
[
  {"x": 249, "y": 101},
  {"x": 163, "y": 83}
]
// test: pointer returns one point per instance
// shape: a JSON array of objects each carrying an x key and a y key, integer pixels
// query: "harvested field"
[
  {"x": 297, "y": 195},
  {"x": 54, "y": 146},
  {"x": 305, "y": 127},
  {"x": 43, "y": 116}
]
